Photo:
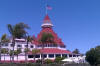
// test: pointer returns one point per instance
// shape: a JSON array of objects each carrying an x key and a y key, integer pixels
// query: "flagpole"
[{"x": 46, "y": 8}]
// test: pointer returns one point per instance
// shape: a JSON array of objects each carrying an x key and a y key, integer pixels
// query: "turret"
[{"x": 47, "y": 22}]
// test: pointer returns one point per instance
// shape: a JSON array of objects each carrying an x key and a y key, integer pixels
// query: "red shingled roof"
[
  {"x": 57, "y": 40},
  {"x": 46, "y": 19},
  {"x": 53, "y": 51}
]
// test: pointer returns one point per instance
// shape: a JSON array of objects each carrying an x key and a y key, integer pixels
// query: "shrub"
[
  {"x": 48, "y": 61},
  {"x": 31, "y": 61},
  {"x": 58, "y": 59},
  {"x": 38, "y": 61}
]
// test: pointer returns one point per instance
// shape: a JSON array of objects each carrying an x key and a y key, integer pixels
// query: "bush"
[
  {"x": 59, "y": 59},
  {"x": 48, "y": 61},
  {"x": 29, "y": 64},
  {"x": 31, "y": 61},
  {"x": 38, "y": 61}
]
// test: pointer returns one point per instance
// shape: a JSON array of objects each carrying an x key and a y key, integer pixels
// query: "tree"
[
  {"x": 4, "y": 40},
  {"x": 17, "y": 31},
  {"x": 34, "y": 52},
  {"x": 26, "y": 51},
  {"x": 4, "y": 51},
  {"x": 93, "y": 56},
  {"x": 48, "y": 61},
  {"x": 29, "y": 39},
  {"x": 46, "y": 38},
  {"x": 76, "y": 51},
  {"x": 10, "y": 54},
  {"x": 16, "y": 52}
]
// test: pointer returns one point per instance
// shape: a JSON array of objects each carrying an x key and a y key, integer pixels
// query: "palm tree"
[
  {"x": 10, "y": 54},
  {"x": 29, "y": 39},
  {"x": 17, "y": 52},
  {"x": 17, "y": 31},
  {"x": 4, "y": 51},
  {"x": 76, "y": 51},
  {"x": 26, "y": 51},
  {"x": 4, "y": 40},
  {"x": 46, "y": 38},
  {"x": 34, "y": 52}
]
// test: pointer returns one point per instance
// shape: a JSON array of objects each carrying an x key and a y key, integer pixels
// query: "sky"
[{"x": 77, "y": 22}]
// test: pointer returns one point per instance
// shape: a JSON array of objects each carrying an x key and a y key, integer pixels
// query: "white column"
[
  {"x": 72, "y": 55},
  {"x": 61, "y": 55},
  {"x": 47, "y": 56},
  {"x": 67, "y": 55},
  {"x": 54, "y": 56},
  {"x": 40, "y": 56}
]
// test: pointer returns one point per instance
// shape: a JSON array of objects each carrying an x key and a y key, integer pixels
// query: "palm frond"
[{"x": 10, "y": 29}]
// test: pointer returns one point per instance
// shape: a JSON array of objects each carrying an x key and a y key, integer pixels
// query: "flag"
[{"x": 48, "y": 7}]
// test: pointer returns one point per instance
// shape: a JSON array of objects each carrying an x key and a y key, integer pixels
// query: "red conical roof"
[
  {"x": 47, "y": 22},
  {"x": 47, "y": 19},
  {"x": 57, "y": 40},
  {"x": 47, "y": 28}
]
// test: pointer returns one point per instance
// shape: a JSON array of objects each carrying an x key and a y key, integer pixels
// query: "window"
[
  {"x": 6, "y": 44},
  {"x": 19, "y": 45},
  {"x": 74, "y": 55},
  {"x": 30, "y": 56},
  {"x": 25, "y": 45},
  {"x": 70, "y": 55},
  {"x": 62, "y": 46},
  {"x": 45, "y": 55},
  {"x": 11, "y": 45},
  {"x": 45, "y": 45},
  {"x": 58, "y": 55},
  {"x": 39, "y": 46},
  {"x": 31, "y": 46},
  {"x": 51, "y": 55},
  {"x": 78, "y": 55},
  {"x": 64, "y": 55},
  {"x": 37, "y": 56},
  {"x": 54, "y": 45}
]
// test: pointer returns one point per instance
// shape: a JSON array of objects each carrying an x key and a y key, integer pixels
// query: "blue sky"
[{"x": 77, "y": 22}]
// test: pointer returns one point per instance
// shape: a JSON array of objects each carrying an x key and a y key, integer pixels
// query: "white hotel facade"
[{"x": 50, "y": 51}]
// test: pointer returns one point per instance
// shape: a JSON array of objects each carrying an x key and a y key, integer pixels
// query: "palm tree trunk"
[
  {"x": 27, "y": 52},
  {"x": 13, "y": 56},
  {"x": 4, "y": 58},
  {"x": 34, "y": 58},
  {"x": 17, "y": 58},
  {"x": 42, "y": 54},
  {"x": 25, "y": 57},
  {"x": 10, "y": 58},
  {"x": 13, "y": 42}
]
